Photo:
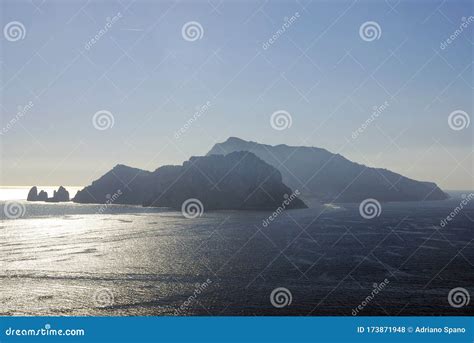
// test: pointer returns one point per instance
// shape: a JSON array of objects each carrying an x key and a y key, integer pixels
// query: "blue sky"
[{"x": 152, "y": 81}]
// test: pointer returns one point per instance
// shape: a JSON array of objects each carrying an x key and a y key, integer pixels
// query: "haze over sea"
[{"x": 76, "y": 259}]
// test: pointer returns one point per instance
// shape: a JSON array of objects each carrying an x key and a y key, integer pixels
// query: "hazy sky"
[{"x": 151, "y": 76}]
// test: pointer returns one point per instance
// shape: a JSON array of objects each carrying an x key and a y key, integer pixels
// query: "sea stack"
[
  {"x": 33, "y": 194},
  {"x": 60, "y": 195},
  {"x": 42, "y": 196}
]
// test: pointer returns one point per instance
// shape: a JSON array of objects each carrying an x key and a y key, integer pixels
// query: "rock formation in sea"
[
  {"x": 60, "y": 195},
  {"x": 33, "y": 194},
  {"x": 238, "y": 181},
  {"x": 329, "y": 177},
  {"x": 42, "y": 196}
]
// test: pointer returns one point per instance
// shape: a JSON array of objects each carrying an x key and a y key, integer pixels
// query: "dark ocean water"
[{"x": 70, "y": 259}]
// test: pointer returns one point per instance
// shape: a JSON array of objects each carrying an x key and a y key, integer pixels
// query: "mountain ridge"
[{"x": 331, "y": 177}]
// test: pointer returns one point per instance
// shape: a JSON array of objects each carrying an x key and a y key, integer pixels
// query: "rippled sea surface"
[{"x": 71, "y": 259}]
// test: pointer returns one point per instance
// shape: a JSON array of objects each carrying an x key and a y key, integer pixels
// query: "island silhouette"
[{"x": 246, "y": 175}]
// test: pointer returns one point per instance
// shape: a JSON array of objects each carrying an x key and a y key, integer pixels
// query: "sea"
[{"x": 67, "y": 259}]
